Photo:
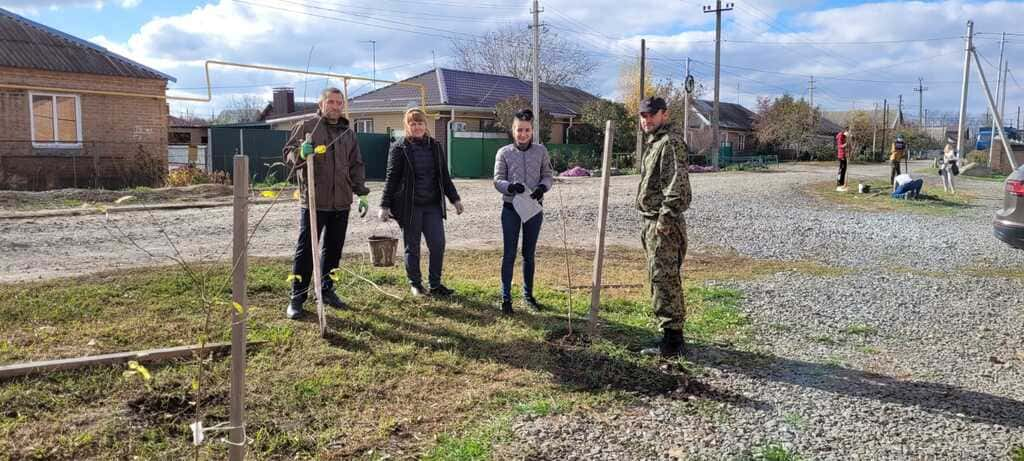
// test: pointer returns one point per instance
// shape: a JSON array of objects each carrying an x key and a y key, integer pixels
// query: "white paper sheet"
[{"x": 525, "y": 206}]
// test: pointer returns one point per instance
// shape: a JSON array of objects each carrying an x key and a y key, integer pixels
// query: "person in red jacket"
[{"x": 843, "y": 147}]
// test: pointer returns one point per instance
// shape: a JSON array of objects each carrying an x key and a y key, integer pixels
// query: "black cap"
[{"x": 652, "y": 105}]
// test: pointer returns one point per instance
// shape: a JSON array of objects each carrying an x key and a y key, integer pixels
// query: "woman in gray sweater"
[{"x": 521, "y": 168}]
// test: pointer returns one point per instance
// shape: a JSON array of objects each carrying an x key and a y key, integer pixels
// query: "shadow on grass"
[
  {"x": 936, "y": 398},
  {"x": 591, "y": 367},
  {"x": 575, "y": 365}
]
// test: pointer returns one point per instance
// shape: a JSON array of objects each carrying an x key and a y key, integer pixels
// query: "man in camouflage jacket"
[{"x": 663, "y": 196}]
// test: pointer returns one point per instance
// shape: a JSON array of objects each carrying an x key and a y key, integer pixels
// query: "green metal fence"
[
  {"x": 263, "y": 146},
  {"x": 471, "y": 154}
]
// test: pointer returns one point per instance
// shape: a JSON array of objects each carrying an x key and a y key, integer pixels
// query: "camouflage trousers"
[{"x": 665, "y": 253}]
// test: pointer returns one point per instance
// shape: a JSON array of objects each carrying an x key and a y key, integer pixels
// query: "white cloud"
[
  {"x": 769, "y": 36},
  {"x": 32, "y": 7}
]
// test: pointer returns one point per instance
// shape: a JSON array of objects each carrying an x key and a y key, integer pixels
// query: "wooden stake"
[
  {"x": 146, "y": 356},
  {"x": 602, "y": 220},
  {"x": 239, "y": 316},
  {"x": 314, "y": 238}
]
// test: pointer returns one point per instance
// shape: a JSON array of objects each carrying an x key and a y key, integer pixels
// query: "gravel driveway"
[{"x": 880, "y": 363}]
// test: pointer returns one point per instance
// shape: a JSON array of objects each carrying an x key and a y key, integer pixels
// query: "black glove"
[
  {"x": 538, "y": 193},
  {"x": 517, "y": 188}
]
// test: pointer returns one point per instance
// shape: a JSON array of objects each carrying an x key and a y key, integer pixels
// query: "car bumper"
[{"x": 1011, "y": 234}]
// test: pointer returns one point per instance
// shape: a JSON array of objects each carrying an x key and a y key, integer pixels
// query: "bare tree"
[
  {"x": 245, "y": 108},
  {"x": 506, "y": 51}
]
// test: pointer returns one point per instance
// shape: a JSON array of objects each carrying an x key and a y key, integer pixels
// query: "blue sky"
[{"x": 772, "y": 46}]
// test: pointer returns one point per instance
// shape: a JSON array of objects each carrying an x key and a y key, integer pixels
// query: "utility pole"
[
  {"x": 885, "y": 124},
  {"x": 810, "y": 88},
  {"x": 688, "y": 87},
  {"x": 373, "y": 54},
  {"x": 536, "y": 71},
  {"x": 874, "y": 130},
  {"x": 920, "y": 100},
  {"x": 1000, "y": 83},
  {"x": 1001, "y": 107},
  {"x": 1018, "y": 120},
  {"x": 715, "y": 127},
  {"x": 433, "y": 56},
  {"x": 899, "y": 115},
  {"x": 963, "y": 92},
  {"x": 643, "y": 75},
  {"x": 995, "y": 110}
]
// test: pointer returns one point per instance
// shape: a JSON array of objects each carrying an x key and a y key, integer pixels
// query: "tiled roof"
[{"x": 471, "y": 89}]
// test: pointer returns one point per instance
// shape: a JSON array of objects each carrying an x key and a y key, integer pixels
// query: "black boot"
[
  {"x": 506, "y": 307},
  {"x": 331, "y": 299},
  {"x": 672, "y": 345},
  {"x": 441, "y": 290},
  {"x": 533, "y": 304},
  {"x": 417, "y": 290}
]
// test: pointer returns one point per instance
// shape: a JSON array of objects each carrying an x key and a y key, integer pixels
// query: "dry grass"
[{"x": 933, "y": 201}]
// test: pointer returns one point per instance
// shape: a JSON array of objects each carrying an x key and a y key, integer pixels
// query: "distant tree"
[
  {"x": 506, "y": 51},
  {"x": 239, "y": 109},
  {"x": 786, "y": 122},
  {"x": 505, "y": 112},
  {"x": 596, "y": 113},
  {"x": 628, "y": 86}
]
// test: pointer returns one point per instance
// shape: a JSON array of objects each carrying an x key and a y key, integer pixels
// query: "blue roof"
[{"x": 27, "y": 44}]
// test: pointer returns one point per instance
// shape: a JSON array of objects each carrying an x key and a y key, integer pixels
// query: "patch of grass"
[
  {"x": 931, "y": 171},
  {"x": 932, "y": 201},
  {"x": 870, "y": 350},
  {"x": 860, "y": 329},
  {"x": 720, "y": 318},
  {"x": 401, "y": 379},
  {"x": 775, "y": 452},
  {"x": 994, "y": 272},
  {"x": 476, "y": 444},
  {"x": 824, "y": 339},
  {"x": 1017, "y": 453},
  {"x": 795, "y": 420},
  {"x": 782, "y": 327}
]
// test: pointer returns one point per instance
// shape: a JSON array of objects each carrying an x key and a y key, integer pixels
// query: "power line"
[{"x": 879, "y": 42}]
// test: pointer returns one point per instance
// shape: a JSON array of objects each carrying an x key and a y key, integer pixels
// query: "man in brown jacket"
[{"x": 340, "y": 174}]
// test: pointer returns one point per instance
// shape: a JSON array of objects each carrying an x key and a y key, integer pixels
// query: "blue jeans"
[
  {"x": 511, "y": 225},
  {"x": 427, "y": 221},
  {"x": 333, "y": 226},
  {"x": 912, "y": 186}
]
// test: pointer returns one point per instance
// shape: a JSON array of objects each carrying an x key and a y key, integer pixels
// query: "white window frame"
[
  {"x": 78, "y": 121},
  {"x": 363, "y": 122}
]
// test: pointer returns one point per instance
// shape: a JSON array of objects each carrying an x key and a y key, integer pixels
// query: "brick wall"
[
  {"x": 1001, "y": 164},
  {"x": 124, "y": 139}
]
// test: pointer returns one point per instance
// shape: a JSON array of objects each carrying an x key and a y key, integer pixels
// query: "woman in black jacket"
[{"x": 415, "y": 187}]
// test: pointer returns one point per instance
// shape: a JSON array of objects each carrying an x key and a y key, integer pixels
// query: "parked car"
[{"x": 1009, "y": 221}]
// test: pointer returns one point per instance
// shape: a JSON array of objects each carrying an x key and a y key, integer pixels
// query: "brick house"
[
  {"x": 466, "y": 98},
  {"x": 736, "y": 125},
  {"x": 73, "y": 114}
]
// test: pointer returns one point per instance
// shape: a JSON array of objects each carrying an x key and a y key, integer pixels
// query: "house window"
[
  {"x": 364, "y": 125},
  {"x": 56, "y": 120},
  {"x": 179, "y": 137}
]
